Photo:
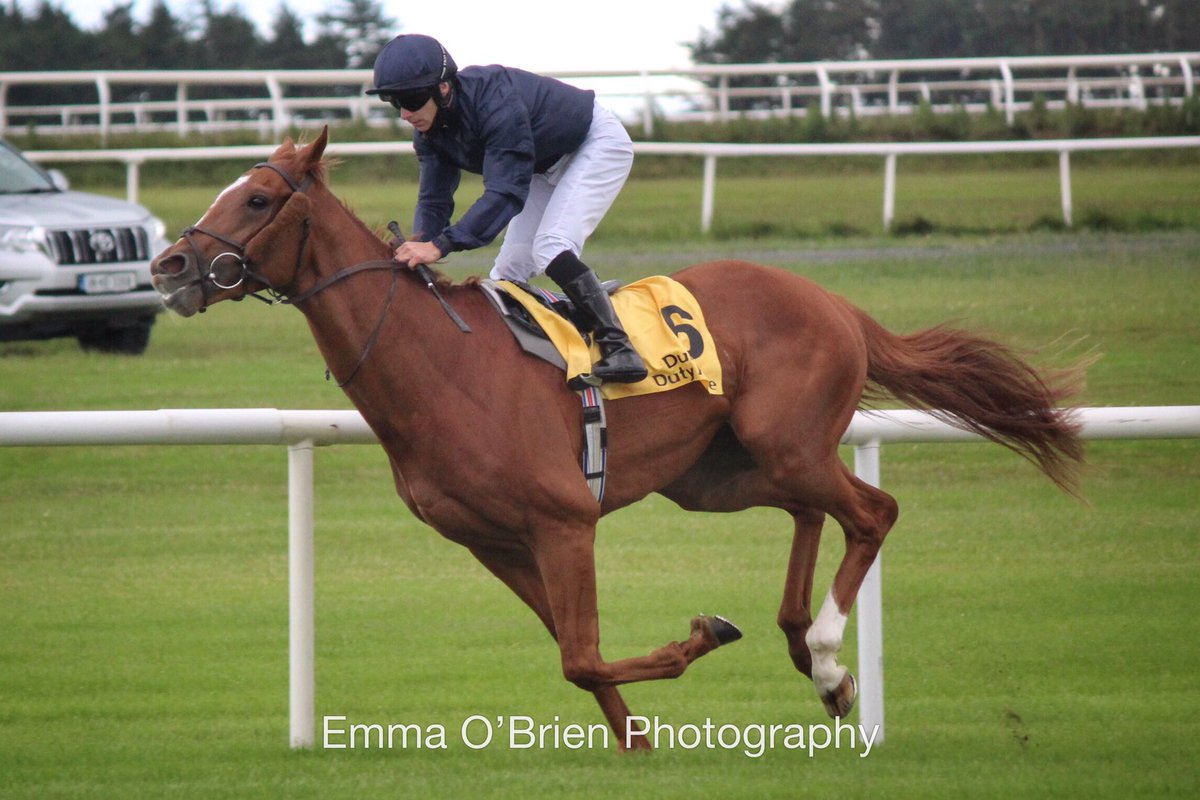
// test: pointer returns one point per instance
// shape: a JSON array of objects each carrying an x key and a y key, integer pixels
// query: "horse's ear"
[
  {"x": 315, "y": 150},
  {"x": 286, "y": 148}
]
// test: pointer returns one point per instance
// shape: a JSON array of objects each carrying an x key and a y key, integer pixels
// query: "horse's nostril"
[{"x": 171, "y": 265}]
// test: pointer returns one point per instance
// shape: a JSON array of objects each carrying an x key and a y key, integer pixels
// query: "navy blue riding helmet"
[{"x": 409, "y": 69}]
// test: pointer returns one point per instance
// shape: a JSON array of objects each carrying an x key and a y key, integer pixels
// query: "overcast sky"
[{"x": 539, "y": 35}]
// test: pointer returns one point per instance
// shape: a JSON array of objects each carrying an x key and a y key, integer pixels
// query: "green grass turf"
[{"x": 1035, "y": 646}]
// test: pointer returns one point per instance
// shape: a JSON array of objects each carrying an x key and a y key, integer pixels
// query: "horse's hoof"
[
  {"x": 839, "y": 702},
  {"x": 724, "y": 630},
  {"x": 717, "y": 629}
]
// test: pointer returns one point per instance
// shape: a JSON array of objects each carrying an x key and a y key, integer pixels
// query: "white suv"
[{"x": 73, "y": 264}]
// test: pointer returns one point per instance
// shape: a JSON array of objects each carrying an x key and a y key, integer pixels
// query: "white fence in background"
[
  {"x": 273, "y": 100},
  {"x": 302, "y": 431},
  {"x": 710, "y": 152}
]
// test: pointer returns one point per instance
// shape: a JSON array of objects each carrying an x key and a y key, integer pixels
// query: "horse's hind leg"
[
  {"x": 866, "y": 514},
  {"x": 805, "y": 468},
  {"x": 520, "y": 573},
  {"x": 728, "y": 479}
]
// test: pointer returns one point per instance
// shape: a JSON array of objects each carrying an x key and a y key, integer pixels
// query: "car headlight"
[
  {"x": 158, "y": 228},
  {"x": 22, "y": 238}
]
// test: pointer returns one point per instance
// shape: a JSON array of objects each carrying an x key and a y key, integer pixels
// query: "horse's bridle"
[
  {"x": 279, "y": 294},
  {"x": 238, "y": 253}
]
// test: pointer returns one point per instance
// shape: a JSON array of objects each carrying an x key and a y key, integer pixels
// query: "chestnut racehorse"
[{"x": 485, "y": 442}]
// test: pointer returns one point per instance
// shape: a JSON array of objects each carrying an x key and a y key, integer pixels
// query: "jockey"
[{"x": 552, "y": 160}]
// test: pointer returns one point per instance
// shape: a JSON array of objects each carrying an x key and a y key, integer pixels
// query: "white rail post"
[
  {"x": 1010, "y": 94},
  {"x": 132, "y": 179},
  {"x": 181, "y": 110},
  {"x": 1064, "y": 182},
  {"x": 278, "y": 108},
  {"x": 647, "y": 105},
  {"x": 706, "y": 201},
  {"x": 104, "y": 92},
  {"x": 870, "y": 614},
  {"x": 301, "y": 640},
  {"x": 1137, "y": 90},
  {"x": 889, "y": 191},
  {"x": 826, "y": 92}
]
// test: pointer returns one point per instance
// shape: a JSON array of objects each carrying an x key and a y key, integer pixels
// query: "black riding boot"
[{"x": 619, "y": 363}]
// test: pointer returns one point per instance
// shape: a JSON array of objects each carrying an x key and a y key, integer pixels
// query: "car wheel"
[{"x": 128, "y": 340}]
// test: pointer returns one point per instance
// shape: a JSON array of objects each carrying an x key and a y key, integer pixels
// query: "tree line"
[
  {"x": 851, "y": 30},
  {"x": 350, "y": 32},
  {"x": 47, "y": 38},
  {"x": 815, "y": 30},
  {"x": 347, "y": 35}
]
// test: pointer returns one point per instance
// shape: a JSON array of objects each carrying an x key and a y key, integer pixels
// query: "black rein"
[{"x": 279, "y": 296}]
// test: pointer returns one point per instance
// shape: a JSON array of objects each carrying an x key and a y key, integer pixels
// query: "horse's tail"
[{"x": 981, "y": 386}]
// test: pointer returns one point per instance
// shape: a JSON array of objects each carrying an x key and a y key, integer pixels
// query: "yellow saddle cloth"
[{"x": 665, "y": 326}]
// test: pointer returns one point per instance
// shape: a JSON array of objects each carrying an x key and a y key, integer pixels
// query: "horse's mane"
[{"x": 287, "y": 155}]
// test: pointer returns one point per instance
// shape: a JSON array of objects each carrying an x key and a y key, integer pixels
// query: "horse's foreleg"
[
  {"x": 795, "y": 612},
  {"x": 618, "y": 714},
  {"x": 567, "y": 564},
  {"x": 520, "y": 573}
]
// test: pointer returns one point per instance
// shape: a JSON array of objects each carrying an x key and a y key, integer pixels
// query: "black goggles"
[{"x": 411, "y": 100}]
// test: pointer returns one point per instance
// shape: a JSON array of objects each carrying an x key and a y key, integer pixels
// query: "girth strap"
[{"x": 595, "y": 441}]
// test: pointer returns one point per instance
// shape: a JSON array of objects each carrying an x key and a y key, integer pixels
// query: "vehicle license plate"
[{"x": 107, "y": 282}]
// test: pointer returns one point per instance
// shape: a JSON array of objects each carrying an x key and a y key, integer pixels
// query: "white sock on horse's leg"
[{"x": 824, "y": 641}]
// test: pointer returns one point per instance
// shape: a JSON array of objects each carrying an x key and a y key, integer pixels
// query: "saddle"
[
  {"x": 664, "y": 324},
  {"x": 525, "y": 329},
  {"x": 663, "y": 320}
]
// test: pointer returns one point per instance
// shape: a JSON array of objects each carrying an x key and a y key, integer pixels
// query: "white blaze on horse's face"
[{"x": 224, "y": 192}]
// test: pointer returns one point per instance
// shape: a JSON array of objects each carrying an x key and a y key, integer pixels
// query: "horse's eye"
[{"x": 258, "y": 202}]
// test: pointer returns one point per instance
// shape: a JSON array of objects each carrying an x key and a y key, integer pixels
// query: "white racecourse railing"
[
  {"x": 302, "y": 431},
  {"x": 123, "y": 102},
  {"x": 710, "y": 152}
]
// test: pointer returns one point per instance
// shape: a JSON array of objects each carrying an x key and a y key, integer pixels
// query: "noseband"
[
  {"x": 280, "y": 295},
  {"x": 238, "y": 253}
]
